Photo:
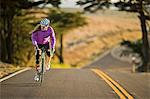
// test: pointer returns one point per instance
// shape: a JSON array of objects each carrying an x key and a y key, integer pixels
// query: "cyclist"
[{"x": 43, "y": 36}]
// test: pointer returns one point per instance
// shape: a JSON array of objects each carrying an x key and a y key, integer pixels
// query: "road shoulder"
[{"x": 15, "y": 73}]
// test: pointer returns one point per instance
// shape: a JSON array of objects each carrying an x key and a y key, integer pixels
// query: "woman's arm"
[
  {"x": 34, "y": 38},
  {"x": 52, "y": 38}
]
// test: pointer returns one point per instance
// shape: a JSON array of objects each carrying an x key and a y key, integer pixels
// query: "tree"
[
  {"x": 94, "y": 5},
  {"x": 23, "y": 50},
  {"x": 64, "y": 22},
  {"x": 9, "y": 9},
  {"x": 139, "y": 6}
]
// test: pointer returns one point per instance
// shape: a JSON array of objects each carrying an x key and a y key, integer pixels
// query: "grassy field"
[
  {"x": 6, "y": 69},
  {"x": 105, "y": 29}
]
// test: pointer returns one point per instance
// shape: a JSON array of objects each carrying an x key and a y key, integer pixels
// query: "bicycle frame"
[{"x": 41, "y": 73}]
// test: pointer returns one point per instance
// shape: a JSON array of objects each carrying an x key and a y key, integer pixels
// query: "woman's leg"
[
  {"x": 36, "y": 77},
  {"x": 37, "y": 59},
  {"x": 48, "y": 60}
]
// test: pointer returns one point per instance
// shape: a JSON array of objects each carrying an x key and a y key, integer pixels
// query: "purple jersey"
[{"x": 42, "y": 37}]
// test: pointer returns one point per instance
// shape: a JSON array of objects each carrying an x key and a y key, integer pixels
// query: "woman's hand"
[
  {"x": 46, "y": 40},
  {"x": 51, "y": 52}
]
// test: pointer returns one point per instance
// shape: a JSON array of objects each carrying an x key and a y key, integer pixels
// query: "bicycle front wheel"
[{"x": 42, "y": 70}]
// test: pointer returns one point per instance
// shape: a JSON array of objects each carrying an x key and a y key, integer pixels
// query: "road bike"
[
  {"x": 42, "y": 70},
  {"x": 42, "y": 66}
]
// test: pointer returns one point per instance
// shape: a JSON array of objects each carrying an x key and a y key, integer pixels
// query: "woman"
[{"x": 44, "y": 36}]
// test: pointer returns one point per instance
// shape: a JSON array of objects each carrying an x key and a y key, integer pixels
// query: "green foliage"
[
  {"x": 127, "y": 5},
  {"x": 22, "y": 45},
  {"x": 8, "y": 10},
  {"x": 64, "y": 21},
  {"x": 21, "y": 40},
  {"x": 136, "y": 46},
  {"x": 94, "y": 5}
]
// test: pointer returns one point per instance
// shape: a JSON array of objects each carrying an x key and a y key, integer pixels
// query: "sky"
[{"x": 69, "y": 3}]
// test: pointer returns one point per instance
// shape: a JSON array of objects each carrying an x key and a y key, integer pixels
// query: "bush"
[
  {"x": 22, "y": 44},
  {"x": 136, "y": 46}
]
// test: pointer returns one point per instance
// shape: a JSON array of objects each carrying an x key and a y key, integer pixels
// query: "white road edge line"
[{"x": 13, "y": 74}]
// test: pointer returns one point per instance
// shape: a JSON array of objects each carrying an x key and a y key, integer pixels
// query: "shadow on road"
[{"x": 21, "y": 84}]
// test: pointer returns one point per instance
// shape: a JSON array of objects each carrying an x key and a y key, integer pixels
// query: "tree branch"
[{"x": 27, "y": 5}]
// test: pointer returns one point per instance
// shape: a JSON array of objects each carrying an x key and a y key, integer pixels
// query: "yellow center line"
[
  {"x": 114, "y": 85},
  {"x": 110, "y": 84}
]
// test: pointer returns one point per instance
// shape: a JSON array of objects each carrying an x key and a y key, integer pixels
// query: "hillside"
[
  {"x": 6, "y": 69},
  {"x": 104, "y": 31}
]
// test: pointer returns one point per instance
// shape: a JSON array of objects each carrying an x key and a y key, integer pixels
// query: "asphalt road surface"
[
  {"x": 58, "y": 84},
  {"x": 80, "y": 83}
]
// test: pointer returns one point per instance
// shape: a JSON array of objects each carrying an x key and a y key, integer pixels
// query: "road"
[
  {"x": 80, "y": 83},
  {"x": 137, "y": 84},
  {"x": 58, "y": 84}
]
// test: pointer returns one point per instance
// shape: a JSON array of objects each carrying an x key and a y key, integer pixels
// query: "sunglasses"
[{"x": 44, "y": 25}]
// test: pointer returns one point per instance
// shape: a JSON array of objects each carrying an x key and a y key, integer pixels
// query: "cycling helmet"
[{"x": 45, "y": 22}]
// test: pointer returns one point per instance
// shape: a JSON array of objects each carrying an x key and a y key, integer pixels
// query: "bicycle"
[
  {"x": 42, "y": 63},
  {"x": 42, "y": 66}
]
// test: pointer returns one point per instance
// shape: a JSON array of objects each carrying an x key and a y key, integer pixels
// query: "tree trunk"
[
  {"x": 145, "y": 48},
  {"x": 9, "y": 41},
  {"x": 61, "y": 59},
  {"x": 4, "y": 53},
  {"x": 0, "y": 44},
  {"x": 7, "y": 49}
]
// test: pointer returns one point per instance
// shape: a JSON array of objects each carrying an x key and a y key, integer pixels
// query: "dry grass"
[
  {"x": 6, "y": 69},
  {"x": 104, "y": 31}
]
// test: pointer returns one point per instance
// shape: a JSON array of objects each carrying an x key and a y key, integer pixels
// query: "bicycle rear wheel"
[{"x": 41, "y": 73}]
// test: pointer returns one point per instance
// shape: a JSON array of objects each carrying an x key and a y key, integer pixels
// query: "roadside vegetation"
[
  {"x": 6, "y": 69},
  {"x": 140, "y": 7},
  {"x": 87, "y": 42}
]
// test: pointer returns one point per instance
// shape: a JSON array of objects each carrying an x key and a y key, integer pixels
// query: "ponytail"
[{"x": 37, "y": 28}]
